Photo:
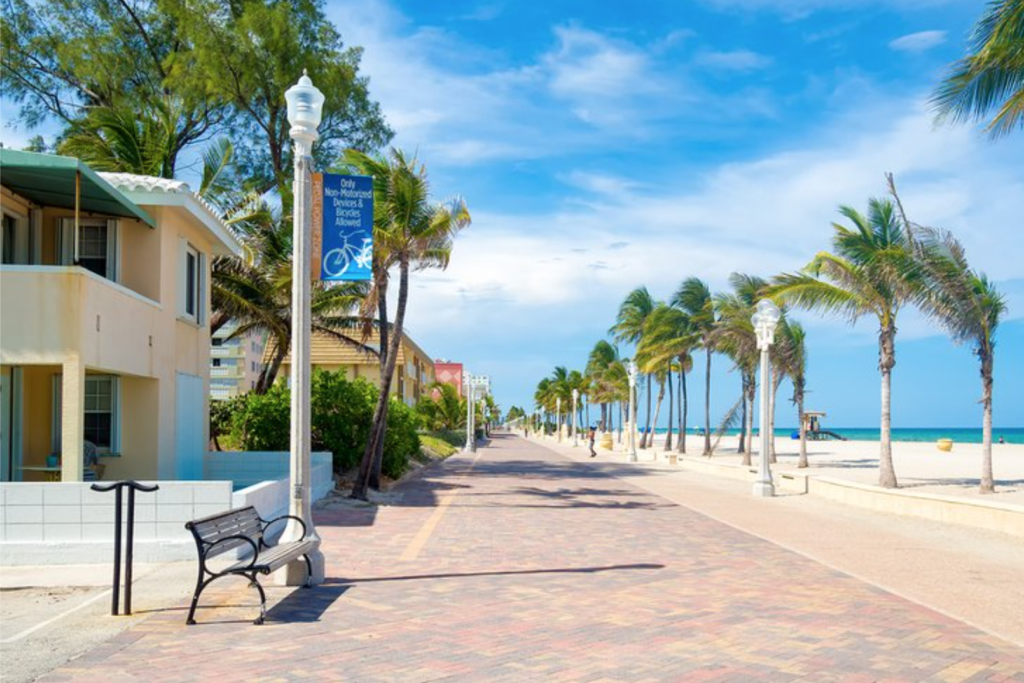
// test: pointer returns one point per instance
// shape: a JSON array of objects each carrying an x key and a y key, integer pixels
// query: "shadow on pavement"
[{"x": 512, "y": 572}]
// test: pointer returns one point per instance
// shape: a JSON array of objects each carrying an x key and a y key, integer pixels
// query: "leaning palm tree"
[
  {"x": 989, "y": 80},
  {"x": 694, "y": 298},
  {"x": 414, "y": 233},
  {"x": 629, "y": 327},
  {"x": 873, "y": 271},
  {"x": 970, "y": 307}
]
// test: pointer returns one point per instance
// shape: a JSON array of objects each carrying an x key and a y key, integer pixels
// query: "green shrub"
[
  {"x": 342, "y": 412},
  {"x": 401, "y": 441},
  {"x": 262, "y": 422}
]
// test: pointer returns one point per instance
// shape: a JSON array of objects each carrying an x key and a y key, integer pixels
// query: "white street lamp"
[
  {"x": 305, "y": 105},
  {"x": 470, "y": 432},
  {"x": 632, "y": 411},
  {"x": 558, "y": 419},
  {"x": 572, "y": 427},
  {"x": 765, "y": 320}
]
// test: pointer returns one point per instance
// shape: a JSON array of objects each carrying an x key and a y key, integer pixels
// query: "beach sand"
[{"x": 919, "y": 466}]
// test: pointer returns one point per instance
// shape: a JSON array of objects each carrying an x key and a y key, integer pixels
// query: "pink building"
[{"x": 449, "y": 373}]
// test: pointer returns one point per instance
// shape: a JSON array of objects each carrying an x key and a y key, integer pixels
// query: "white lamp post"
[
  {"x": 765, "y": 320},
  {"x": 572, "y": 425},
  {"x": 558, "y": 419},
  {"x": 305, "y": 105},
  {"x": 468, "y": 390},
  {"x": 632, "y": 411}
]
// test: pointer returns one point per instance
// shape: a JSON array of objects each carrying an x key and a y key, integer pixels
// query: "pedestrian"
[{"x": 591, "y": 437}]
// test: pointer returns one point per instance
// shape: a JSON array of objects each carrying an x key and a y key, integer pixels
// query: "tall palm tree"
[
  {"x": 694, "y": 298},
  {"x": 668, "y": 340},
  {"x": 414, "y": 233},
  {"x": 970, "y": 307},
  {"x": 873, "y": 271},
  {"x": 599, "y": 363},
  {"x": 629, "y": 327},
  {"x": 793, "y": 344},
  {"x": 989, "y": 80}
]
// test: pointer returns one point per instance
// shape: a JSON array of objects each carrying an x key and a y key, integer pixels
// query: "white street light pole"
[
  {"x": 632, "y": 411},
  {"x": 765, "y": 321},
  {"x": 470, "y": 440},
  {"x": 575, "y": 436},
  {"x": 305, "y": 105},
  {"x": 558, "y": 420}
]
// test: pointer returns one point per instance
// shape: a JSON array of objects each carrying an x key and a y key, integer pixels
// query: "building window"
[
  {"x": 216, "y": 362},
  {"x": 192, "y": 284},
  {"x": 217, "y": 341},
  {"x": 191, "y": 281},
  {"x": 102, "y": 410},
  {"x": 92, "y": 248},
  {"x": 10, "y": 238}
]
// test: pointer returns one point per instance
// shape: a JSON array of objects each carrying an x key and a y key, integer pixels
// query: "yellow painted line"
[{"x": 412, "y": 551}]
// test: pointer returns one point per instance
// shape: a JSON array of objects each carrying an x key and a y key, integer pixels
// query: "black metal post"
[
  {"x": 117, "y": 487},
  {"x": 117, "y": 552}
]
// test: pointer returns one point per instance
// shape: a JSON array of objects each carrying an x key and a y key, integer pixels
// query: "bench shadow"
[
  {"x": 497, "y": 572},
  {"x": 305, "y": 605}
]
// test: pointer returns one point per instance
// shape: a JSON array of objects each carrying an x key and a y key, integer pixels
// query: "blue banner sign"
[{"x": 347, "y": 249}]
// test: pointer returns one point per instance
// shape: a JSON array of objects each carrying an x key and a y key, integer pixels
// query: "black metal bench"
[{"x": 239, "y": 528}]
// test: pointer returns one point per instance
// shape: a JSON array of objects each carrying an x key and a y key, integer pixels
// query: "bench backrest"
[{"x": 241, "y": 522}]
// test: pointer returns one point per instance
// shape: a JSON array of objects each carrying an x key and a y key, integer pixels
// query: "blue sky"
[{"x": 601, "y": 146}]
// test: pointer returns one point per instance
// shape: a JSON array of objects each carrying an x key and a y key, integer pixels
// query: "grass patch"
[{"x": 436, "y": 447}]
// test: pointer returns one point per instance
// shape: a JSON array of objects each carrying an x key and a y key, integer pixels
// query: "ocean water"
[{"x": 928, "y": 434}]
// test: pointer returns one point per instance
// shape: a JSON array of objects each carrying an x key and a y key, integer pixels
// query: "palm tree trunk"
[
  {"x": 743, "y": 416},
  {"x": 748, "y": 425},
  {"x": 643, "y": 437},
  {"x": 586, "y": 407},
  {"x": 671, "y": 397},
  {"x": 380, "y": 430},
  {"x": 683, "y": 406},
  {"x": 776, "y": 381},
  {"x": 707, "y": 406},
  {"x": 657, "y": 410},
  {"x": 359, "y": 489},
  {"x": 269, "y": 374},
  {"x": 987, "y": 484},
  {"x": 802, "y": 461},
  {"x": 886, "y": 361}
]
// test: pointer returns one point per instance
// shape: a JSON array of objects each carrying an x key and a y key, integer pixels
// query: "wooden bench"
[{"x": 234, "y": 529}]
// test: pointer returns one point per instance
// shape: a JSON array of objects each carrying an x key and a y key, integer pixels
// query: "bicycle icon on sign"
[{"x": 338, "y": 260}]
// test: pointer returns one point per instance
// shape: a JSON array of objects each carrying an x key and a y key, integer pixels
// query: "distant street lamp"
[
  {"x": 558, "y": 419},
  {"x": 765, "y": 320},
  {"x": 632, "y": 411},
  {"x": 467, "y": 383},
  {"x": 572, "y": 425},
  {"x": 305, "y": 109}
]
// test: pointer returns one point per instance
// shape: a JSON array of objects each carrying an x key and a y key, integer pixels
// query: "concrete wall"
[{"x": 248, "y": 468}]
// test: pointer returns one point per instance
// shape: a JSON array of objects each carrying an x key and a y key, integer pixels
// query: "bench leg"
[
  {"x": 263, "y": 600},
  {"x": 200, "y": 587},
  {"x": 309, "y": 572}
]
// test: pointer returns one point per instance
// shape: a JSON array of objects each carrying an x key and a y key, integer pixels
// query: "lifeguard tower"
[{"x": 812, "y": 426}]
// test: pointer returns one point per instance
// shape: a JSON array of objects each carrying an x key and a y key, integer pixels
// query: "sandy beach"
[{"x": 919, "y": 466}]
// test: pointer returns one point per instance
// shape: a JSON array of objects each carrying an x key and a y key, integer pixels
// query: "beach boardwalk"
[{"x": 518, "y": 564}]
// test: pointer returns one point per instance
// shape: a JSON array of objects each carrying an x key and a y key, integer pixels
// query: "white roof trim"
[{"x": 147, "y": 190}]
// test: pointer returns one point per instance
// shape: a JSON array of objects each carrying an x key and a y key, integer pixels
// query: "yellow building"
[
  {"x": 104, "y": 308},
  {"x": 414, "y": 370}
]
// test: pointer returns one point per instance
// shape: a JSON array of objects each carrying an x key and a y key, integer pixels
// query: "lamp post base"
[
  {"x": 764, "y": 489},
  {"x": 294, "y": 573}
]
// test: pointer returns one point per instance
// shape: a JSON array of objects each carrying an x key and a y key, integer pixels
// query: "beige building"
[
  {"x": 235, "y": 362},
  {"x": 414, "y": 370},
  {"x": 104, "y": 308}
]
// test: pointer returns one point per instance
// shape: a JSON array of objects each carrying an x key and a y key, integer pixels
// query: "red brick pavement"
[{"x": 539, "y": 568}]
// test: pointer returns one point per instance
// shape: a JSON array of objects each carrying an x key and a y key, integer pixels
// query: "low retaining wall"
[
  {"x": 69, "y": 523},
  {"x": 1007, "y": 519}
]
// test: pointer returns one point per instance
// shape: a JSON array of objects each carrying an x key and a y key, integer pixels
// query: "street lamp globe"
[
  {"x": 766, "y": 320},
  {"x": 305, "y": 109}
]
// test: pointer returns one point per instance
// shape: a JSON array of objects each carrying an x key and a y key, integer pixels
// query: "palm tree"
[
  {"x": 413, "y": 233},
  {"x": 969, "y": 306},
  {"x": 629, "y": 327},
  {"x": 668, "y": 340},
  {"x": 694, "y": 299},
  {"x": 443, "y": 408},
  {"x": 793, "y": 354},
  {"x": 991, "y": 78},
  {"x": 872, "y": 272},
  {"x": 599, "y": 363}
]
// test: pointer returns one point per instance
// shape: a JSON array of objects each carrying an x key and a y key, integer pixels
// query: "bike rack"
[{"x": 117, "y": 488}]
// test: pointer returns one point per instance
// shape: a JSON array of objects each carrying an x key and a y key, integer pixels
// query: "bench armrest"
[
  {"x": 237, "y": 537},
  {"x": 266, "y": 523}
]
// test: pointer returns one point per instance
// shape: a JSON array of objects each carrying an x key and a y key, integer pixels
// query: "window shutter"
[
  {"x": 115, "y": 414},
  {"x": 201, "y": 298},
  {"x": 55, "y": 415},
  {"x": 182, "y": 275},
  {"x": 66, "y": 241},
  {"x": 35, "y": 222},
  {"x": 113, "y": 251}
]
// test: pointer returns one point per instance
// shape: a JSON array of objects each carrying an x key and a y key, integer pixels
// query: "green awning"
[{"x": 49, "y": 180}]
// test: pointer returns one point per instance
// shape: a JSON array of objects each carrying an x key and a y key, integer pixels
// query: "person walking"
[{"x": 591, "y": 437}]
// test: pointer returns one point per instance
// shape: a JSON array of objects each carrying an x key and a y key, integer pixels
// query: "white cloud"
[
  {"x": 587, "y": 64},
  {"x": 918, "y": 42},
  {"x": 735, "y": 60},
  {"x": 798, "y": 9}
]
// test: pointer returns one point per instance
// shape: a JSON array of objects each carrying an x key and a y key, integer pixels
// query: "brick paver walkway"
[{"x": 522, "y": 565}]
